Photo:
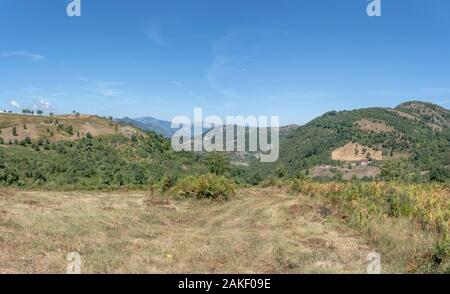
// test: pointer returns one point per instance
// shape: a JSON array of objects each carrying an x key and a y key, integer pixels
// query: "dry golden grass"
[
  {"x": 39, "y": 127},
  {"x": 355, "y": 152},
  {"x": 407, "y": 223},
  {"x": 258, "y": 231}
]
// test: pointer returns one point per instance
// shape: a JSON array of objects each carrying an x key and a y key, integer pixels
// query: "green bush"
[
  {"x": 207, "y": 186},
  {"x": 166, "y": 183},
  {"x": 272, "y": 182}
]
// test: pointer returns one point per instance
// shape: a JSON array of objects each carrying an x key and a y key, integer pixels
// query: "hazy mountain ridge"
[
  {"x": 151, "y": 124},
  {"x": 415, "y": 131},
  {"x": 158, "y": 126}
]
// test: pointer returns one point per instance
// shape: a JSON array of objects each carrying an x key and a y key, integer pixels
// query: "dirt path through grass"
[{"x": 259, "y": 231}]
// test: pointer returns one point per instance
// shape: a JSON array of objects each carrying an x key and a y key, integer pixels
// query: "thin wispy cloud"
[
  {"x": 103, "y": 88},
  {"x": 153, "y": 32},
  {"x": 29, "y": 55},
  {"x": 106, "y": 89},
  {"x": 178, "y": 84},
  {"x": 190, "y": 93},
  {"x": 220, "y": 73},
  {"x": 199, "y": 98}
]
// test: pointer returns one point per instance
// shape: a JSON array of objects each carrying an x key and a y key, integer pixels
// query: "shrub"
[
  {"x": 272, "y": 182},
  {"x": 439, "y": 174},
  {"x": 217, "y": 163},
  {"x": 166, "y": 183},
  {"x": 207, "y": 186},
  {"x": 441, "y": 255}
]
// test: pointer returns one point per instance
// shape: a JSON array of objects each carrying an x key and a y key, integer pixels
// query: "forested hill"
[
  {"x": 86, "y": 152},
  {"x": 416, "y": 131},
  {"x": 91, "y": 152}
]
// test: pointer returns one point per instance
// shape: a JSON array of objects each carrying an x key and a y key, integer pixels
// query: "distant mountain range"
[
  {"x": 158, "y": 126},
  {"x": 415, "y": 131}
]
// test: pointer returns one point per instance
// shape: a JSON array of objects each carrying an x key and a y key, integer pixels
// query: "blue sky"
[{"x": 296, "y": 59}]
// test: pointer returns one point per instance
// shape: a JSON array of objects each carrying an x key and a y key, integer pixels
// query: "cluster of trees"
[
  {"x": 313, "y": 143},
  {"x": 97, "y": 163},
  {"x": 140, "y": 161},
  {"x": 32, "y": 112}
]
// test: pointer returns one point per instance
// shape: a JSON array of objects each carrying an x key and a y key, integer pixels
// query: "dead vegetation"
[
  {"x": 52, "y": 128},
  {"x": 356, "y": 152},
  {"x": 259, "y": 231}
]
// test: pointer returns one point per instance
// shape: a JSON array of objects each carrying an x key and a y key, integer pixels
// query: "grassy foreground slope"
[
  {"x": 260, "y": 231},
  {"x": 305, "y": 228}
]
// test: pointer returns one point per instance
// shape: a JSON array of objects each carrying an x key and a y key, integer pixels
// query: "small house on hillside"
[{"x": 364, "y": 162}]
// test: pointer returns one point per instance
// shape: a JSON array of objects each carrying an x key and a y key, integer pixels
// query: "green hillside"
[
  {"x": 96, "y": 153},
  {"x": 416, "y": 131}
]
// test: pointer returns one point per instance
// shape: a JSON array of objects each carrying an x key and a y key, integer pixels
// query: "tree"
[
  {"x": 69, "y": 130},
  {"x": 14, "y": 131},
  {"x": 281, "y": 171},
  {"x": 88, "y": 136},
  {"x": 40, "y": 112},
  {"x": 439, "y": 174},
  {"x": 395, "y": 170},
  {"x": 217, "y": 163}
]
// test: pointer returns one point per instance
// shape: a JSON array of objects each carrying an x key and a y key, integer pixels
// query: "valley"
[{"x": 348, "y": 183}]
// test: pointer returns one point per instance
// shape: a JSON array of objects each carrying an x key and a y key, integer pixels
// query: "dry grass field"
[
  {"x": 36, "y": 127},
  {"x": 258, "y": 231},
  {"x": 355, "y": 152}
]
